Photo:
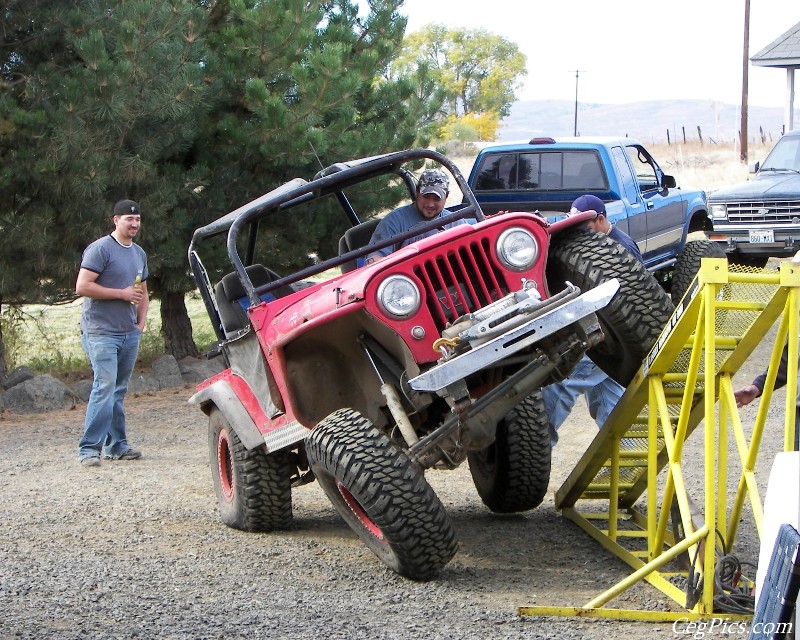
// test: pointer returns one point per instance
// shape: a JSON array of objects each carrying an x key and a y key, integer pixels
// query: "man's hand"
[
  {"x": 746, "y": 395},
  {"x": 131, "y": 294}
]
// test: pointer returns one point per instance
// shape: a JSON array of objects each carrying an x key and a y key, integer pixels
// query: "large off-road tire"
[
  {"x": 634, "y": 318},
  {"x": 254, "y": 491},
  {"x": 381, "y": 494},
  {"x": 511, "y": 474},
  {"x": 688, "y": 264}
]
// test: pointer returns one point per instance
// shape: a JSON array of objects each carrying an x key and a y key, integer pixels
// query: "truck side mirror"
[
  {"x": 668, "y": 182},
  {"x": 753, "y": 168}
]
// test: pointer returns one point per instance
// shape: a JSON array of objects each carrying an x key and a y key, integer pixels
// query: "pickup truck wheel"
[
  {"x": 381, "y": 494},
  {"x": 253, "y": 488},
  {"x": 688, "y": 264},
  {"x": 512, "y": 474},
  {"x": 634, "y": 318}
]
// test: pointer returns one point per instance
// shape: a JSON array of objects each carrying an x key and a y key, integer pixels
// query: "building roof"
[{"x": 783, "y": 52}]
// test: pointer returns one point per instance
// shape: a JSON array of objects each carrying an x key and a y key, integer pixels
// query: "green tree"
[
  {"x": 98, "y": 103},
  {"x": 477, "y": 72},
  {"x": 191, "y": 108},
  {"x": 326, "y": 94}
]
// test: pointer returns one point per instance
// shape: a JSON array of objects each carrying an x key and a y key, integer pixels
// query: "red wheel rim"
[
  {"x": 359, "y": 512},
  {"x": 225, "y": 465}
]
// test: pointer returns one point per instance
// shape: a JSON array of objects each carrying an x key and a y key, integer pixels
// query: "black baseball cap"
[{"x": 127, "y": 208}]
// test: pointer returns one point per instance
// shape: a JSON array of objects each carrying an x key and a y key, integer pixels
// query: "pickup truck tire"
[
  {"x": 381, "y": 494},
  {"x": 512, "y": 474},
  {"x": 253, "y": 488},
  {"x": 634, "y": 318},
  {"x": 688, "y": 264}
]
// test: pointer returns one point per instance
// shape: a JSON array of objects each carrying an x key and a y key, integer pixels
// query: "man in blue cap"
[
  {"x": 601, "y": 392},
  {"x": 602, "y": 224}
]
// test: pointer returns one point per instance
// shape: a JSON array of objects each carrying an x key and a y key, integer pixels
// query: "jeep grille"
[
  {"x": 460, "y": 281},
  {"x": 766, "y": 211}
]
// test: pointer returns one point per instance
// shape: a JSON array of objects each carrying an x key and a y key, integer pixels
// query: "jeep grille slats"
[
  {"x": 460, "y": 281},
  {"x": 765, "y": 211}
]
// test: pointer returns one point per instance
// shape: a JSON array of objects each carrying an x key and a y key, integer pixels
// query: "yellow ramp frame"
[{"x": 628, "y": 491}]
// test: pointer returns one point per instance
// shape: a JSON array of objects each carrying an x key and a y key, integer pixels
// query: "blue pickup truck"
[{"x": 547, "y": 174}]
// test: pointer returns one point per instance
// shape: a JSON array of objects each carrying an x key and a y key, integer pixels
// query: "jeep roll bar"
[{"x": 330, "y": 180}]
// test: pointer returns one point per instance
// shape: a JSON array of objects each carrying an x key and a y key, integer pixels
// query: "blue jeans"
[
  {"x": 112, "y": 358},
  {"x": 601, "y": 392}
]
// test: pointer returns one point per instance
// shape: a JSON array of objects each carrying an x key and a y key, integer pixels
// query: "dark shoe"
[
  {"x": 130, "y": 454},
  {"x": 92, "y": 461}
]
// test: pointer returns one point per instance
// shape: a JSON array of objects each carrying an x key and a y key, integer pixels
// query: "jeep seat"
[
  {"x": 232, "y": 301},
  {"x": 355, "y": 238}
]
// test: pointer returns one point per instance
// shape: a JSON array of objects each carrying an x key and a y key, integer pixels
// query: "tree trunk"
[
  {"x": 3, "y": 365},
  {"x": 176, "y": 327}
]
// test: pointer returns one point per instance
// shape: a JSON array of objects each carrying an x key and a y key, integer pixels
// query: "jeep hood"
[{"x": 767, "y": 184}]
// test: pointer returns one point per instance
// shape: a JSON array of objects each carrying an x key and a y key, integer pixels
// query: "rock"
[
  {"x": 29, "y": 393},
  {"x": 38, "y": 395},
  {"x": 195, "y": 370},
  {"x": 82, "y": 389},
  {"x": 142, "y": 384},
  {"x": 166, "y": 372},
  {"x": 18, "y": 375}
]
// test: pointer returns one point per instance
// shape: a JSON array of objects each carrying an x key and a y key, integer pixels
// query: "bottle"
[{"x": 137, "y": 283}]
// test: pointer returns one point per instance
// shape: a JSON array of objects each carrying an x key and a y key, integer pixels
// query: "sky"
[{"x": 629, "y": 50}]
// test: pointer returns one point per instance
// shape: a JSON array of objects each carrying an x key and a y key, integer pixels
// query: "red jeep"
[{"x": 363, "y": 377}]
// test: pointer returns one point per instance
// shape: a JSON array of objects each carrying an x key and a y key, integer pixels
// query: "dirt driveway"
[{"x": 136, "y": 550}]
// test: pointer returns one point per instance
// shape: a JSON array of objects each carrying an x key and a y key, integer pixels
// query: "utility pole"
[
  {"x": 575, "y": 125},
  {"x": 745, "y": 66}
]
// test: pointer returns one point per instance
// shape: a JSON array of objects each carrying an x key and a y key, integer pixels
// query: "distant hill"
[{"x": 645, "y": 121}]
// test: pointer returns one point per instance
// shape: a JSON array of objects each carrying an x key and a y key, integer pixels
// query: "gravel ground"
[{"x": 136, "y": 550}]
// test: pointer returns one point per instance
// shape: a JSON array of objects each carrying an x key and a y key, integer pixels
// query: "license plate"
[{"x": 758, "y": 236}]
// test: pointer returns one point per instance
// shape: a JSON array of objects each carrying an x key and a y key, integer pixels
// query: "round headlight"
[
  {"x": 399, "y": 296},
  {"x": 517, "y": 249}
]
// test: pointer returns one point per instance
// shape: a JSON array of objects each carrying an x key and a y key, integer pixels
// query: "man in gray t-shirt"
[{"x": 113, "y": 281}]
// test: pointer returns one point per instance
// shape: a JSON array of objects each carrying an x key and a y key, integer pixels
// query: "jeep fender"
[
  {"x": 570, "y": 221},
  {"x": 221, "y": 395}
]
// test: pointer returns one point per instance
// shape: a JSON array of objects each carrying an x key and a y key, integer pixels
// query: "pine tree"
[
  {"x": 99, "y": 104},
  {"x": 192, "y": 109}
]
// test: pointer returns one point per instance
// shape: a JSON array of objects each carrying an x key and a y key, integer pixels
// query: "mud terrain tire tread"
[
  {"x": 634, "y": 318},
  {"x": 512, "y": 474},
  {"x": 688, "y": 264},
  {"x": 253, "y": 488},
  {"x": 381, "y": 494}
]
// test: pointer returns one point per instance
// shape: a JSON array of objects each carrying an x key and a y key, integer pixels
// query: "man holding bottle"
[{"x": 113, "y": 281}]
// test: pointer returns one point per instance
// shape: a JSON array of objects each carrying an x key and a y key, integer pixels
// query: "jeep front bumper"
[{"x": 489, "y": 353}]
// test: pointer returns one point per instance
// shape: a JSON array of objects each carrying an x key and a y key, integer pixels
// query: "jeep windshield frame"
[{"x": 332, "y": 180}]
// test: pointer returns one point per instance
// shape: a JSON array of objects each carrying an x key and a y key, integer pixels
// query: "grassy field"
[{"x": 47, "y": 338}]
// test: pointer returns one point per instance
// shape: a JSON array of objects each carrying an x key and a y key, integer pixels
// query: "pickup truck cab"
[
  {"x": 548, "y": 174},
  {"x": 760, "y": 218}
]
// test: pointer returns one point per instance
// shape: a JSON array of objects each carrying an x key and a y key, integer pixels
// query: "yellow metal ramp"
[{"x": 617, "y": 492}]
